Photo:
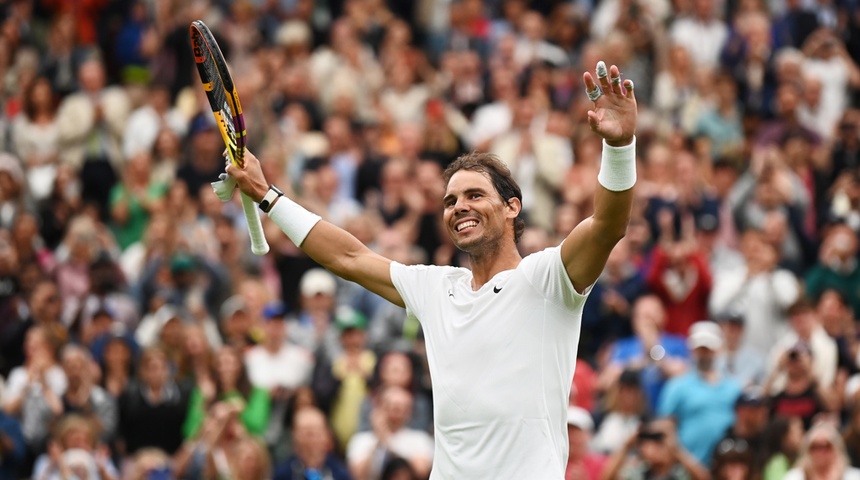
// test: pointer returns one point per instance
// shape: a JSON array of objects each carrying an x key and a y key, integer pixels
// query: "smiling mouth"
[{"x": 465, "y": 225}]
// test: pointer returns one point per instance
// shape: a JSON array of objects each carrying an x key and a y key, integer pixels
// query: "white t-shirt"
[
  {"x": 290, "y": 367},
  {"x": 405, "y": 443},
  {"x": 502, "y": 361}
]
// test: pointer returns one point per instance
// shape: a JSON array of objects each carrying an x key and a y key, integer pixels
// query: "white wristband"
[
  {"x": 293, "y": 219},
  {"x": 618, "y": 167}
]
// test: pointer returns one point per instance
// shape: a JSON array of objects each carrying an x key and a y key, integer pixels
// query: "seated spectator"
[
  {"x": 701, "y": 401},
  {"x": 311, "y": 328},
  {"x": 738, "y": 359},
  {"x": 312, "y": 444},
  {"x": 802, "y": 395},
  {"x": 655, "y": 353},
  {"x": 582, "y": 461},
  {"x": 367, "y": 452},
  {"x": 83, "y": 396},
  {"x": 625, "y": 408},
  {"x": 822, "y": 455},
  {"x": 229, "y": 384},
  {"x": 780, "y": 445},
  {"x": 74, "y": 452},
  {"x": 152, "y": 409},
  {"x": 653, "y": 452},
  {"x": 116, "y": 355}
]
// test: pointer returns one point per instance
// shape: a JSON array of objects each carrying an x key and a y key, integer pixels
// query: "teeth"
[{"x": 463, "y": 225}]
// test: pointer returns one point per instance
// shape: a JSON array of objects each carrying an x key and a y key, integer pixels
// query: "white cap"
[
  {"x": 580, "y": 418},
  {"x": 705, "y": 334},
  {"x": 316, "y": 281}
]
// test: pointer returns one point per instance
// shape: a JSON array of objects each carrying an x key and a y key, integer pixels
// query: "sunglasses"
[
  {"x": 730, "y": 445},
  {"x": 820, "y": 446}
]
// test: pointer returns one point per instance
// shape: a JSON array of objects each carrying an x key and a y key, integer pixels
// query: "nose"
[{"x": 461, "y": 205}]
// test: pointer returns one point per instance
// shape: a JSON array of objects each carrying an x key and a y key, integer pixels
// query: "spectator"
[
  {"x": 153, "y": 408},
  {"x": 398, "y": 369},
  {"x": 653, "y": 452},
  {"x": 657, "y": 355},
  {"x": 702, "y": 33},
  {"x": 822, "y": 455},
  {"x": 278, "y": 366},
  {"x": 738, "y": 359},
  {"x": 146, "y": 122},
  {"x": 33, "y": 391},
  {"x": 13, "y": 450},
  {"x": 35, "y": 137},
  {"x": 74, "y": 452},
  {"x": 851, "y": 436},
  {"x": 701, "y": 401},
  {"x": 83, "y": 396},
  {"x": 625, "y": 409},
  {"x": 751, "y": 417},
  {"x": 780, "y": 446},
  {"x": 312, "y": 444},
  {"x": 538, "y": 161},
  {"x": 311, "y": 327},
  {"x": 758, "y": 290},
  {"x": 367, "y": 451},
  {"x": 582, "y": 462},
  {"x": 806, "y": 329},
  {"x": 802, "y": 396},
  {"x": 229, "y": 385},
  {"x": 116, "y": 356},
  {"x": 732, "y": 460},
  {"x": 837, "y": 266},
  {"x": 134, "y": 199}
]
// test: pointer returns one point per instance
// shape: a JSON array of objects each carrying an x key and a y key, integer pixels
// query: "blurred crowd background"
[{"x": 140, "y": 339}]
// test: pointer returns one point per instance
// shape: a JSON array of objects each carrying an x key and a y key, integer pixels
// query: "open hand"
[{"x": 614, "y": 114}]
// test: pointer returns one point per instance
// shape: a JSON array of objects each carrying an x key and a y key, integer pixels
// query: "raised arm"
[
  {"x": 330, "y": 246},
  {"x": 613, "y": 117}
]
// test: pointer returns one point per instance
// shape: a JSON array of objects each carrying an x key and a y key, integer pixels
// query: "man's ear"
[{"x": 514, "y": 207}]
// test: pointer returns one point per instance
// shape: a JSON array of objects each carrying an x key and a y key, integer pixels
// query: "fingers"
[
  {"x": 603, "y": 76},
  {"x": 591, "y": 89}
]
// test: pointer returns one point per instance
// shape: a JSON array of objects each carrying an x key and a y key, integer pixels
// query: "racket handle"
[{"x": 258, "y": 239}]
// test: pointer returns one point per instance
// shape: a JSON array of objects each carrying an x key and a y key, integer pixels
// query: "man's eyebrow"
[{"x": 465, "y": 192}]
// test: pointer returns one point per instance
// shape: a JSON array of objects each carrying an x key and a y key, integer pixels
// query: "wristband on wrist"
[
  {"x": 618, "y": 167},
  {"x": 293, "y": 219}
]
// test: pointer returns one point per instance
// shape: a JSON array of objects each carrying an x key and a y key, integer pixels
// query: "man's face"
[
  {"x": 474, "y": 213},
  {"x": 309, "y": 433}
]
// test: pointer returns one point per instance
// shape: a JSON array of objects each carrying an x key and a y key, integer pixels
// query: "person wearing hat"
[
  {"x": 278, "y": 366},
  {"x": 653, "y": 451},
  {"x": 701, "y": 401},
  {"x": 311, "y": 327},
  {"x": 738, "y": 359},
  {"x": 582, "y": 462},
  {"x": 350, "y": 372},
  {"x": 751, "y": 416}
]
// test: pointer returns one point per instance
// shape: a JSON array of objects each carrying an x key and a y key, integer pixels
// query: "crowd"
[{"x": 140, "y": 339}]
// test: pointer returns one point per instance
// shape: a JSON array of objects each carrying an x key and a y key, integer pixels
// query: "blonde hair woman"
[{"x": 823, "y": 457}]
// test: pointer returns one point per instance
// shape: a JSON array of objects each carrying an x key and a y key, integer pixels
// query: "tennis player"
[{"x": 502, "y": 336}]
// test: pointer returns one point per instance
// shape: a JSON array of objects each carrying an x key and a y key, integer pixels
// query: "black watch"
[{"x": 267, "y": 201}]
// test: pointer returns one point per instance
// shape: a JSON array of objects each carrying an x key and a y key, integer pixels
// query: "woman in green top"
[
  {"x": 780, "y": 445},
  {"x": 134, "y": 199},
  {"x": 228, "y": 382}
]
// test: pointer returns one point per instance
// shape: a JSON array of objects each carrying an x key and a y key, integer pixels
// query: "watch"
[{"x": 270, "y": 197}]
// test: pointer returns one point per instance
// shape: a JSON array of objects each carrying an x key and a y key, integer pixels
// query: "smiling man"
[{"x": 501, "y": 336}]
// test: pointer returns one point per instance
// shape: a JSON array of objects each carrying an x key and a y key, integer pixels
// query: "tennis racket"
[{"x": 224, "y": 101}]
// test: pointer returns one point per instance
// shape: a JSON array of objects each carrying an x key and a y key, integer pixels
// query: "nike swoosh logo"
[{"x": 496, "y": 289}]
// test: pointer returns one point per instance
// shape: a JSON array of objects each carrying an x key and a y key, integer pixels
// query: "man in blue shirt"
[{"x": 701, "y": 401}]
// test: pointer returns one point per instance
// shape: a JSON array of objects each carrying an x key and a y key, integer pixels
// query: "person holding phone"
[{"x": 654, "y": 452}]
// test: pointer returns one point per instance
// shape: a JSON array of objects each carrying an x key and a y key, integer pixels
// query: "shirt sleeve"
[
  {"x": 545, "y": 271},
  {"x": 415, "y": 284}
]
